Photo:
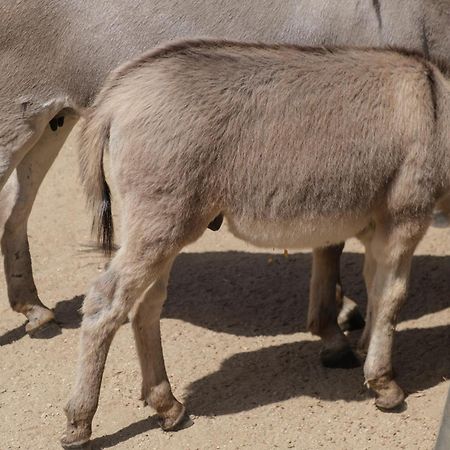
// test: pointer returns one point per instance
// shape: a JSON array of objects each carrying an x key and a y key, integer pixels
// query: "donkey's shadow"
[{"x": 248, "y": 294}]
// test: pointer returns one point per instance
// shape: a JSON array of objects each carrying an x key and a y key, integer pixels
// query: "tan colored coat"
[
  {"x": 296, "y": 147},
  {"x": 55, "y": 55}
]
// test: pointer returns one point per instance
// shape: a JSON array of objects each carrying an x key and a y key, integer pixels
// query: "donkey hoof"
[
  {"x": 77, "y": 436},
  {"x": 342, "y": 358},
  {"x": 351, "y": 320},
  {"x": 68, "y": 444},
  {"x": 394, "y": 402},
  {"x": 175, "y": 419},
  {"x": 76, "y": 446},
  {"x": 390, "y": 396},
  {"x": 41, "y": 323}
]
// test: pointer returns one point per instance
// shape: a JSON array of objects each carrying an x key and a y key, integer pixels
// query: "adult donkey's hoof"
[
  {"x": 41, "y": 322},
  {"x": 77, "y": 436},
  {"x": 390, "y": 396}
]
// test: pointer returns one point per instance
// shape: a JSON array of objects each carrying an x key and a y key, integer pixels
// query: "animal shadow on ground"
[
  {"x": 277, "y": 373},
  {"x": 122, "y": 435},
  {"x": 248, "y": 294},
  {"x": 273, "y": 374},
  {"x": 67, "y": 315},
  {"x": 262, "y": 294}
]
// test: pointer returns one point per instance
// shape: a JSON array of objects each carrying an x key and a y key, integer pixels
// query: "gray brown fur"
[
  {"x": 296, "y": 147},
  {"x": 42, "y": 80}
]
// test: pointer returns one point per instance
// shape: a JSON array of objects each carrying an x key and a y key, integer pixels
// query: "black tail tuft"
[{"x": 105, "y": 226}]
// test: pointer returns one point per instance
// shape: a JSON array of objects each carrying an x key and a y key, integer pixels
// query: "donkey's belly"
[{"x": 301, "y": 233}]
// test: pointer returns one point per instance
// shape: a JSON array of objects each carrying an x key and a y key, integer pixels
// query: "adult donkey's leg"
[
  {"x": 323, "y": 308},
  {"x": 330, "y": 312},
  {"x": 20, "y": 129},
  {"x": 349, "y": 316},
  {"x": 17, "y": 137},
  {"x": 16, "y": 201},
  {"x": 156, "y": 390}
]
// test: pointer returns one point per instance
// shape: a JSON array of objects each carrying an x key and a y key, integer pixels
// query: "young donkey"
[{"x": 296, "y": 147}]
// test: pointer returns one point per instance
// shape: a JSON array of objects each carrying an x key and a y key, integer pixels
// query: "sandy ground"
[{"x": 236, "y": 346}]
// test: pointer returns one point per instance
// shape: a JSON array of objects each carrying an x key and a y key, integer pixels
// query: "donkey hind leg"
[
  {"x": 323, "y": 310},
  {"x": 16, "y": 140},
  {"x": 105, "y": 308},
  {"x": 16, "y": 202},
  {"x": 156, "y": 390},
  {"x": 392, "y": 249}
]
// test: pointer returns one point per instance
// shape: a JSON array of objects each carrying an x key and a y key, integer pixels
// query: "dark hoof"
[
  {"x": 176, "y": 419},
  {"x": 390, "y": 397},
  {"x": 85, "y": 446},
  {"x": 391, "y": 402},
  {"x": 401, "y": 407},
  {"x": 352, "y": 321},
  {"x": 77, "y": 436},
  {"x": 339, "y": 359},
  {"x": 185, "y": 422}
]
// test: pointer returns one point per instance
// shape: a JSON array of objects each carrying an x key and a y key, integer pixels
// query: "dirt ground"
[{"x": 235, "y": 341}]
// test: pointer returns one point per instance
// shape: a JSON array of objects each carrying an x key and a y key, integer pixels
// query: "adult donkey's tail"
[{"x": 93, "y": 143}]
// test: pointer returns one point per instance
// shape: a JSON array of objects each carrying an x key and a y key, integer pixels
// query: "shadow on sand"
[
  {"x": 122, "y": 435},
  {"x": 67, "y": 316},
  {"x": 245, "y": 295}
]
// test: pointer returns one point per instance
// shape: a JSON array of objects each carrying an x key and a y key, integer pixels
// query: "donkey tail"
[{"x": 93, "y": 144}]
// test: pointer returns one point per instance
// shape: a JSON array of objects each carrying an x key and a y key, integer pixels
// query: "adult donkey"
[{"x": 55, "y": 55}]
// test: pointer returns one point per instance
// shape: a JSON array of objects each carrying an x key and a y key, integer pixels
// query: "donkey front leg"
[
  {"x": 156, "y": 390},
  {"x": 16, "y": 202},
  {"x": 323, "y": 309},
  {"x": 392, "y": 248}
]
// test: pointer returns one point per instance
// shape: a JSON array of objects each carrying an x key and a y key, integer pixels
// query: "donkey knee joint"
[{"x": 100, "y": 295}]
